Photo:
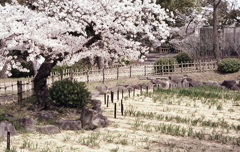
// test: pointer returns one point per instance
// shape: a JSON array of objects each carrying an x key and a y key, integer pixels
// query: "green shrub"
[
  {"x": 70, "y": 94},
  {"x": 164, "y": 65},
  {"x": 183, "y": 58},
  {"x": 229, "y": 65},
  {"x": 59, "y": 69}
]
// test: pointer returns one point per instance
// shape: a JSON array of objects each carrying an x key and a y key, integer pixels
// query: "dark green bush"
[
  {"x": 70, "y": 94},
  {"x": 164, "y": 65},
  {"x": 183, "y": 58},
  {"x": 229, "y": 65},
  {"x": 59, "y": 69}
]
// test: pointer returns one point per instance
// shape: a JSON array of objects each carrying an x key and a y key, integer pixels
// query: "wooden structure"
[{"x": 13, "y": 90}]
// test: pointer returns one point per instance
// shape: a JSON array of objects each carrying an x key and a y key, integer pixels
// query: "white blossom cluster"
[{"x": 46, "y": 30}]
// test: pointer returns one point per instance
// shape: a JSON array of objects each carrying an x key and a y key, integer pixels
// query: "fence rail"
[{"x": 13, "y": 90}]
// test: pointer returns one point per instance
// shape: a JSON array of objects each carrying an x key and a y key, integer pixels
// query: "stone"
[
  {"x": 155, "y": 81},
  {"x": 228, "y": 83},
  {"x": 102, "y": 89},
  {"x": 213, "y": 83},
  {"x": 176, "y": 78},
  {"x": 189, "y": 79},
  {"x": 185, "y": 83},
  {"x": 112, "y": 89},
  {"x": 45, "y": 115},
  {"x": 174, "y": 85},
  {"x": 165, "y": 84},
  {"x": 27, "y": 123},
  {"x": 91, "y": 118},
  {"x": 194, "y": 83},
  {"x": 123, "y": 84},
  {"x": 150, "y": 85},
  {"x": 143, "y": 78},
  {"x": 136, "y": 86},
  {"x": 48, "y": 129},
  {"x": 130, "y": 88},
  {"x": 151, "y": 78},
  {"x": 70, "y": 124},
  {"x": 235, "y": 88},
  {"x": 94, "y": 94},
  {"x": 95, "y": 102},
  {"x": 5, "y": 127},
  {"x": 122, "y": 88}
]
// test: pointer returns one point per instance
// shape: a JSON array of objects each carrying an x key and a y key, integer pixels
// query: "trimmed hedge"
[
  {"x": 229, "y": 65},
  {"x": 183, "y": 58},
  {"x": 70, "y": 94},
  {"x": 164, "y": 65}
]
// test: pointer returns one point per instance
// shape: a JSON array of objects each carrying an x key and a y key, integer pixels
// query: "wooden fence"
[
  {"x": 12, "y": 90},
  {"x": 165, "y": 50}
]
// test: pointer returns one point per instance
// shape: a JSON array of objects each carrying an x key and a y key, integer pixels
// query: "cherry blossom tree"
[{"x": 65, "y": 31}]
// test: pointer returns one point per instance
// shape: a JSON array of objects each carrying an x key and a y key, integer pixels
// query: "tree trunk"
[
  {"x": 215, "y": 30},
  {"x": 4, "y": 69},
  {"x": 40, "y": 85}
]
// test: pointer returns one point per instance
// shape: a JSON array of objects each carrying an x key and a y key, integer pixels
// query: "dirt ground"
[{"x": 140, "y": 132}]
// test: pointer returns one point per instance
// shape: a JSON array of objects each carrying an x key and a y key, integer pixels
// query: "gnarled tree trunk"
[{"x": 40, "y": 85}]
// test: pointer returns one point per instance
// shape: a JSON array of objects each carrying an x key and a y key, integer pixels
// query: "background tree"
[
  {"x": 64, "y": 32},
  {"x": 216, "y": 4}
]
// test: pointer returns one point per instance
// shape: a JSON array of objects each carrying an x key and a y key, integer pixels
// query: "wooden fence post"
[
  {"x": 115, "y": 110},
  {"x": 122, "y": 107},
  {"x": 87, "y": 76},
  {"x": 117, "y": 73},
  {"x": 103, "y": 75},
  {"x": 145, "y": 70},
  {"x": 71, "y": 74},
  {"x": 61, "y": 75},
  {"x": 130, "y": 75},
  {"x": 200, "y": 65},
  {"x": 8, "y": 140},
  {"x": 112, "y": 96},
  {"x": 52, "y": 78},
  {"x": 162, "y": 69},
  {"x": 181, "y": 67},
  {"x": 19, "y": 86},
  {"x": 118, "y": 94}
]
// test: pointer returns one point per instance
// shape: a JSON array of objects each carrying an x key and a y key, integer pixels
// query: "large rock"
[
  {"x": 123, "y": 84},
  {"x": 155, "y": 81},
  {"x": 165, "y": 84},
  {"x": 27, "y": 123},
  {"x": 95, "y": 102},
  {"x": 70, "y": 124},
  {"x": 213, "y": 83},
  {"x": 102, "y": 89},
  {"x": 174, "y": 85},
  {"x": 235, "y": 88},
  {"x": 228, "y": 83},
  {"x": 48, "y": 129},
  {"x": 194, "y": 83},
  {"x": 5, "y": 127},
  {"x": 185, "y": 83},
  {"x": 122, "y": 88},
  {"x": 94, "y": 94},
  {"x": 112, "y": 89},
  {"x": 145, "y": 85},
  {"x": 137, "y": 86},
  {"x": 176, "y": 78},
  {"x": 91, "y": 118},
  {"x": 45, "y": 115}
]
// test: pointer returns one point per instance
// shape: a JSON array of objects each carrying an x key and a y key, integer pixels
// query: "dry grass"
[{"x": 139, "y": 133}]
